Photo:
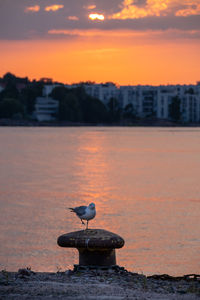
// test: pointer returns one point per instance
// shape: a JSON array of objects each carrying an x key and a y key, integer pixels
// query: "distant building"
[
  {"x": 48, "y": 88},
  {"x": 127, "y": 95},
  {"x": 165, "y": 95},
  {"x": 103, "y": 92},
  {"x": 46, "y": 109},
  {"x": 189, "y": 96},
  {"x": 190, "y": 108},
  {"x": 147, "y": 101}
]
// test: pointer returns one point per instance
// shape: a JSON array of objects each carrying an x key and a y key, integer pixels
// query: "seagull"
[{"x": 85, "y": 212}]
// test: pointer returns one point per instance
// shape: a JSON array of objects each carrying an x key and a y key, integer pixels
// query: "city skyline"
[{"x": 127, "y": 42}]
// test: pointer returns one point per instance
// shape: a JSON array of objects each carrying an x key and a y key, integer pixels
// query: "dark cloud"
[
  {"x": 15, "y": 23},
  {"x": 156, "y": 23}
]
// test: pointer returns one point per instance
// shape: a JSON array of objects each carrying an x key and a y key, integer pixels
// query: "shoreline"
[
  {"x": 139, "y": 123},
  {"x": 97, "y": 285}
]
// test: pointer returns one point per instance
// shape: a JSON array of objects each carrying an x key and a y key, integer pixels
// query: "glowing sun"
[{"x": 96, "y": 17}]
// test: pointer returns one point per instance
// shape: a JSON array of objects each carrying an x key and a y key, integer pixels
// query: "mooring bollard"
[{"x": 96, "y": 246}]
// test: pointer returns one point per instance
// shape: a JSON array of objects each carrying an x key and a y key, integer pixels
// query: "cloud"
[
  {"x": 19, "y": 20},
  {"x": 54, "y": 7},
  {"x": 79, "y": 32},
  {"x": 93, "y": 33},
  {"x": 34, "y": 8},
  {"x": 192, "y": 9},
  {"x": 73, "y": 18},
  {"x": 131, "y": 10},
  {"x": 156, "y": 35},
  {"x": 90, "y": 7}
]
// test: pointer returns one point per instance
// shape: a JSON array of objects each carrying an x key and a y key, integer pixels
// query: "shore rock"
[{"x": 94, "y": 285}]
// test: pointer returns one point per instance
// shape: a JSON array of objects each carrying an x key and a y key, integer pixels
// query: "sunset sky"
[{"x": 124, "y": 41}]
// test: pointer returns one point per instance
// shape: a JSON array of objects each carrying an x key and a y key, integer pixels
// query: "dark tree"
[
  {"x": 114, "y": 111},
  {"x": 59, "y": 93},
  {"x": 76, "y": 106},
  {"x": 98, "y": 110},
  {"x": 129, "y": 112},
  {"x": 93, "y": 110},
  {"x": 69, "y": 108},
  {"x": 11, "y": 78},
  {"x": 28, "y": 95},
  {"x": 190, "y": 91},
  {"x": 9, "y": 108},
  {"x": 174, "y": 109},
  {"x": 10, "y": 91}
]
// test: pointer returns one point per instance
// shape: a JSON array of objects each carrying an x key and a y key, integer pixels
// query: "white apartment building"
[
  {"x": 103, "y": 92},
  {"x": 190, "y": 108},
  {"x": 189, "y": 96},
  {"x": 164, "y": 98},
  {"x": 147, "y": 99},
  {"x": 46, "y": 109},
  {"x": 155, "y": 100},
  {"x": 127, "y": 95},
  {"x": 142, "y": 98}
]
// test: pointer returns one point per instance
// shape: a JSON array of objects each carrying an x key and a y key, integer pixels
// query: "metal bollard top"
[{"x": 92, "y": 239}]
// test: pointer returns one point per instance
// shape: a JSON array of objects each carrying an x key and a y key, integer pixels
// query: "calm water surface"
[{"x": 145, "y": 183}]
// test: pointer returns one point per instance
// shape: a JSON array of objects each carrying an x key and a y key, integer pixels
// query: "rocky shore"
[{"x": 96, "y": 285}]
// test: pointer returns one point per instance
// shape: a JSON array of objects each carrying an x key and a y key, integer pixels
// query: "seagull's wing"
[{"x": 80, "y": 210}]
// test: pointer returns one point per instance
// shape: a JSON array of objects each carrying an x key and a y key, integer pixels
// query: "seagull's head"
[{"x": 92, "y": 206}]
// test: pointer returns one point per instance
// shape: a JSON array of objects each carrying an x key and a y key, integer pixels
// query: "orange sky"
[
  {"x": 154, "y": 43},
  {"x": 104, "y": 60}
]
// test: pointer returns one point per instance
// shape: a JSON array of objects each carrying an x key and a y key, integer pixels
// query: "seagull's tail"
[{"x": 71, "y": 209}]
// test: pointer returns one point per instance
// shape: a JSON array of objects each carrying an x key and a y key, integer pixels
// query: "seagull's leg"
[
  {"x": 87, "y": 225},
  {"x": 82, "y": 222}
]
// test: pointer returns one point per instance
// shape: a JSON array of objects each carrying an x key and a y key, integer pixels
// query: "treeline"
[
  {"x": 17, "y": 101},
  {"x": 76, "y": 106}
]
